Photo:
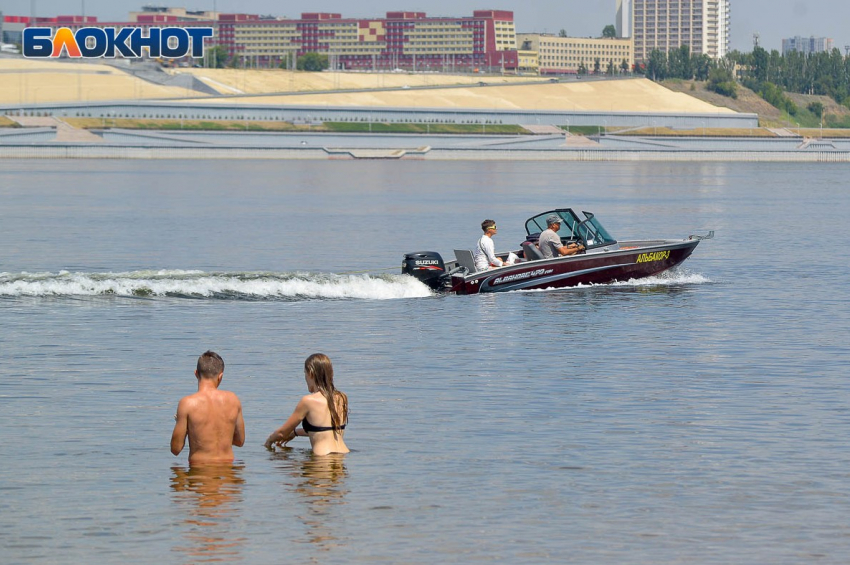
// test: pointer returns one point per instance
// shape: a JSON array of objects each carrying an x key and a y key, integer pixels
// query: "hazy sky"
[{"x": 772, "y": 19}]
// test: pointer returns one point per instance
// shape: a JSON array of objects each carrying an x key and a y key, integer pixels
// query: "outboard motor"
[{"x": 427, "y": 266}]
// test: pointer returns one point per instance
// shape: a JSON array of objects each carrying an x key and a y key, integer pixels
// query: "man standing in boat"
[
  {"x": 485, "y": 252},
  {"x": 550, "y": 242}
]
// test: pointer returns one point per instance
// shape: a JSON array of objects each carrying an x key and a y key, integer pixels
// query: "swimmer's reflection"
[
  {"x": 319, "y": 481},
  {"x": 211, "y": 499}
]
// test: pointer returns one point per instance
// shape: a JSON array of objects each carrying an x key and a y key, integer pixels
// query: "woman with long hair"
[{"x": 322, "y": 414}]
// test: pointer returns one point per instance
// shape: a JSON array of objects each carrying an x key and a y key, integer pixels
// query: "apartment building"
[
  {"x": 702, "y": 25},
  {"x": 485, "y": 41},
  {"x": 808, "y": 45},
  {"x": 164, "y": 14},
  {"x": 565, "y": 55},
  {"x": 401, "y": 40}
]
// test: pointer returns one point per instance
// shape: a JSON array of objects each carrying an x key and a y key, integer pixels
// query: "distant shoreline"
[{"x": 822, "y": 152}]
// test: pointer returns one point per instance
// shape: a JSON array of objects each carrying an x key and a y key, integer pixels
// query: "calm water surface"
[{"x": 700, "y": 417}]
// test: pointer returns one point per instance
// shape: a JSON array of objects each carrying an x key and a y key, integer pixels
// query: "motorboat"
[{"x": 604, "y": 259}]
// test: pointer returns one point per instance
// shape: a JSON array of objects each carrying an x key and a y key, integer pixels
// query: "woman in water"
[{"x": 322, "y": 414}]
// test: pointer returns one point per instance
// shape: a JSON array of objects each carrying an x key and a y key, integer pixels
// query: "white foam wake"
[
  {"x": 199, "y": 284},
  {"x": 667, "y": 278}
]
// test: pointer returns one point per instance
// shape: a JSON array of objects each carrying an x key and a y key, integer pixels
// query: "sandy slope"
[
  {"x": 241, "y": 81},
  {"x": 634, "y": 95},
  {"x": 31, "y": 82},
  {"x": 27, "y": 82}
]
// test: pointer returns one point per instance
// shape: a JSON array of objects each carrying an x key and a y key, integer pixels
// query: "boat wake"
[
  {"x": 667, "y": 278},
  {"x": 671, "y": 278},
  {"x": 203, "y": 285}
]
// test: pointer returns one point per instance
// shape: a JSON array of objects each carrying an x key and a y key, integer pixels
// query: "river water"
[{"x": 698, "y": 417}]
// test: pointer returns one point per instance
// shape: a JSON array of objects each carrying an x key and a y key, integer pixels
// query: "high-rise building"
[
  {"x": 624, "y": 18},
  {"x": 807, "y": 45},
  {"x": 702, "y": 25}
]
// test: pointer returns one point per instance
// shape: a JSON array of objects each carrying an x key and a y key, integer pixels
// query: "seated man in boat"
[
  {"x": 550, "y": 242},
  {"x": 485, "y": 253}
]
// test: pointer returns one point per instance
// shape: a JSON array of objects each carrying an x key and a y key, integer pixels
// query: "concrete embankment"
[{"x": 114, "y": 151}]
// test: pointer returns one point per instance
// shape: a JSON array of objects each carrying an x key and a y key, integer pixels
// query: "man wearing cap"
[{"x": 550, "y": 242}]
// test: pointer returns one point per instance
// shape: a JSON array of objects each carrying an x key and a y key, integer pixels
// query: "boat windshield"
[
  {"x": 592, "y": 232},
  {"x": 588, "y": 231},
  {"x": 538, "y": 223}
]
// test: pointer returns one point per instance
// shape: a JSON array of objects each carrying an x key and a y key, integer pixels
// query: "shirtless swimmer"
[{"x": 211, "y": 418}]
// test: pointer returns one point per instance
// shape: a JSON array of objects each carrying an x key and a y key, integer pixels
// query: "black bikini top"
[{"x": 308, "y": 427}]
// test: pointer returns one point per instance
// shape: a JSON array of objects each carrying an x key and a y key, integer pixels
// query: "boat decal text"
[
  {"x": 522, "y": 276},
  {"x": 650, "y": 257}
]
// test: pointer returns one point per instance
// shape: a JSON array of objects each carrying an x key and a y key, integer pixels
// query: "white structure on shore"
[{"x": 702, "y": 25}]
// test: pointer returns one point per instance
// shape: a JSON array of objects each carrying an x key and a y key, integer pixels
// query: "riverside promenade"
[
  {"x": 48, "y": 138},
  {"x": 42, "y": 107}
]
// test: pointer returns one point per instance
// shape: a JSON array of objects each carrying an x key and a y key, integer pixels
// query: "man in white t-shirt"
[
  {"x": 550, "y": 242},
  {"x": 485, "y": 252}
]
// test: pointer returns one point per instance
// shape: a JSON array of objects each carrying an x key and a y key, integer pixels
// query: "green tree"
[
  {"x": 720, "y": 81},
  {"x": 816, "y": 108},
  {"x": 656, "y": 67},
  {"x": 760, "y": 61},
  {"x": 582, "y": 69},
  {"x": 312, "y": 62},
  {"x": 216, "y": 57},
  {"x": 609, "y": 31},
  {"x": 775, "y": 96},
  {"x": 562, "y": 33},
  {"x": 701, "y": 65},
  {"x": 597, "y": 66},
  {"x": 679, "y": 63},
  {"x": 611, "y": 68},
  {"x": 624, "y": 66}
]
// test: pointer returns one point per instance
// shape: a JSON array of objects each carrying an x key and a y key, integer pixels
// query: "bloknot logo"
[{"x": 110, "y": 42}]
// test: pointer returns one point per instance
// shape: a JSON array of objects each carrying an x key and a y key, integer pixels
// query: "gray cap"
[{"x": 553, "y": 219}]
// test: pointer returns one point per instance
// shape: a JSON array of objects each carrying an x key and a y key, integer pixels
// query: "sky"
[{"x": 772, "y": 19}]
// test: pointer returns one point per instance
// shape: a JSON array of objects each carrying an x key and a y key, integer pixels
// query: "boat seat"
[
  {"x": 531, "y": 251},
  {"x": 465, "y": 259}
]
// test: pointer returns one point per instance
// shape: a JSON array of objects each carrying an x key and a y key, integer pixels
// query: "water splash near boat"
[{"x": 204, "y": 285}]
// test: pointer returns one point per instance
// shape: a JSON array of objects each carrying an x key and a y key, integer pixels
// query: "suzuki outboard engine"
[{"x": 427, "y": 266}]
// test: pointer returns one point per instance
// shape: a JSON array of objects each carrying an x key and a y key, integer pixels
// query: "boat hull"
[{"x": 633, "y": 260}]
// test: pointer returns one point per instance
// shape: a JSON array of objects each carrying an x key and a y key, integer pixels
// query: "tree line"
[
  {"x": 769, "y": 74},
  {"x": 822, "y": 73}
]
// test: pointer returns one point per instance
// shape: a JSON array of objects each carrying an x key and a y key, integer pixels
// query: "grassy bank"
[
  {"x": 336, "y": 127},
  {"x": 362, "y": 127},
  {"x": 697, "y": 132},
  {"x": 196, "y": 125}
]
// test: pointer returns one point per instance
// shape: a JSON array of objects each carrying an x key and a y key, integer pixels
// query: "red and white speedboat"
[{"x": 605, "y": 260}]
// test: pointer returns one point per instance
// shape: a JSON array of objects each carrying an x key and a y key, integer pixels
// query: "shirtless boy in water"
[{"x": 211, "y": 418}]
